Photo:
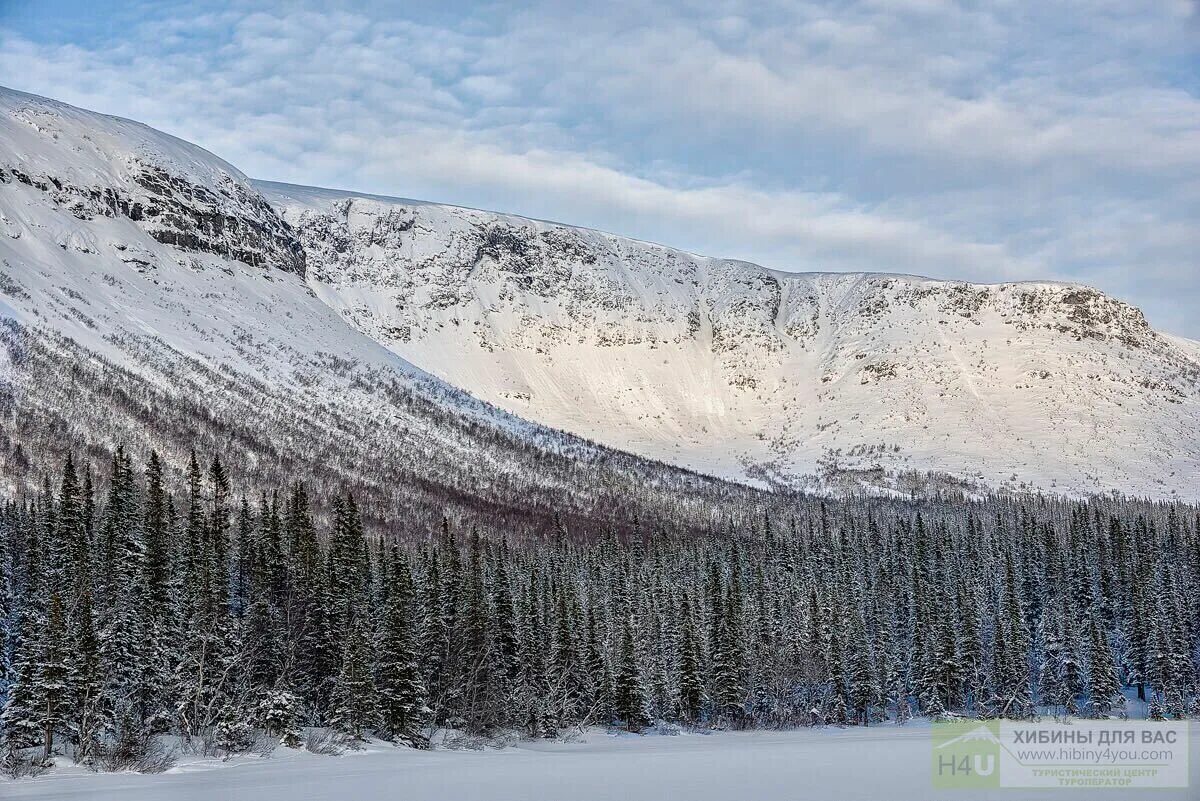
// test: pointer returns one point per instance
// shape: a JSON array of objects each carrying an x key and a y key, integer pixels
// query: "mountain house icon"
[{"x": 981, "y": 733}]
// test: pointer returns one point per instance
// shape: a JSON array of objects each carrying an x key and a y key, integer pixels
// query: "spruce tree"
[
  {"x": 354, "y": 694},
  {"x": 1104, "y": 690},
  {"x": 728, "y": 692},
  {"x": 629, "y": 690},
  {"x": 21, "y": 721},
  {"x": 691, "y": 681},
  {"x": 863, "y": 685},
  {"x": 86, "y": 720},
  {"x": 403, "y": 712},
  {"x": 52, "y": 675}
]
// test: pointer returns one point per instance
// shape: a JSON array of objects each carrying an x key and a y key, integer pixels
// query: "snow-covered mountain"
[
  {"x": 746, "y": 372},
  {"x": 149, "y": 296},
  {"x": 150, "y": 293}
]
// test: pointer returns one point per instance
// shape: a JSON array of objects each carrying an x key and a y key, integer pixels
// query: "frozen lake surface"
[{"x": 876, "y": 764}]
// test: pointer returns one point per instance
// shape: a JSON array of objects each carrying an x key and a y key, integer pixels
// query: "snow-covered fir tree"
[{"x": 130, "y": 602}]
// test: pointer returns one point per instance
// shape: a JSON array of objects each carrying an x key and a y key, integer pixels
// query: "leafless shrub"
[
  {"x": 263, "y": 744},
  {"x": 325, "y": 742},
  {"x": 134, "y": 750},
  {"x": 19, "y": 764},
  {"x": 464, "y": 741}
]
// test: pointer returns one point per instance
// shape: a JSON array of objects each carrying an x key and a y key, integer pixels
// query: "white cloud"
[{"x": 487, "y": 88}]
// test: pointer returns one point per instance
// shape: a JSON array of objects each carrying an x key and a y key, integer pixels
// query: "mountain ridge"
[
  {"x": 130, "y": 240},
  {"x": 113, "y": 334},
  {"x": 284, "y": 189},
  {"x": 507, "y": 307}
]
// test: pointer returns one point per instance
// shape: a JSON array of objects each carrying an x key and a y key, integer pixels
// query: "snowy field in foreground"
[{"x": 879, "y": 764}]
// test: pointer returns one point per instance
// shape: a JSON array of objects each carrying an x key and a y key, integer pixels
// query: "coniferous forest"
[{"x": 132, "y": 608}]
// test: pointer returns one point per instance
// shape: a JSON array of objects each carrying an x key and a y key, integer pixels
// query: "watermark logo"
[
  {"x": 966, "y": 754},
  {"x": 977, "y": 754}
]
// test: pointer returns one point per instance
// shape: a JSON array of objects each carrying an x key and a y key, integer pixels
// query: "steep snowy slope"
[
  {"x": 741, "y": 371},
  {"x": 150, "y": 296},
  {"x": 150, "y": 292}
]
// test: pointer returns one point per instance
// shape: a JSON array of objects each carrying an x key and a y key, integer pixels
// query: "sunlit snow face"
[
  {"x": 719, "y": 365},
  {"x": 979, "y": 143}
]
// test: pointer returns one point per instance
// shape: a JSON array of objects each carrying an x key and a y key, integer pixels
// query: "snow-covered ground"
[{"x": 874, "y": 764}]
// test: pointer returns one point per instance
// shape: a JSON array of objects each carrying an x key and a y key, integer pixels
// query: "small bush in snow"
[
  {"x": 20, "y": 764},
  {"x": 233, "y": 737},
  {"x": 464, "y": 741},
  {"x": 264, "y": 744},
  {"x": 325, "y": 742},
  {"x": 278, "y": 713},
  {"x": 133, "y": 748}
]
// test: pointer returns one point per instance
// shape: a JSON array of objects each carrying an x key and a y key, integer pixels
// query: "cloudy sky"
[{"x": 988, "y": 141}]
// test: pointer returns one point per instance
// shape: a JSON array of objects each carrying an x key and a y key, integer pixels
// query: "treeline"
[
  {"x": 409, "y": 448},
  {"x": 143, "y": 609}
]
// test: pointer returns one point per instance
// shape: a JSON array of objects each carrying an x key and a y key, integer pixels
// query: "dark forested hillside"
[
  {"x": 214, "y": 612},
  {"x": 410, "y": 450}
]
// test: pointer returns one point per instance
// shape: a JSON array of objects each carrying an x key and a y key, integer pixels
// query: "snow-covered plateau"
[{"x": 129, "y": 251}]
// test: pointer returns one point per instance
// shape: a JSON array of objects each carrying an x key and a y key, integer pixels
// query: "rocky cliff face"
[
  {"x": 90, "y": 165},
  {"x": 751, "y": 373}
]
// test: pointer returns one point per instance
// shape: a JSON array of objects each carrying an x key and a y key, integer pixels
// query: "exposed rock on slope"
[
  {"x": 734, "y": 369},
  {"x": 145, "y": 281},
  {"x": 91, "y": 165},
  {"x": 194, "y": 326}
]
